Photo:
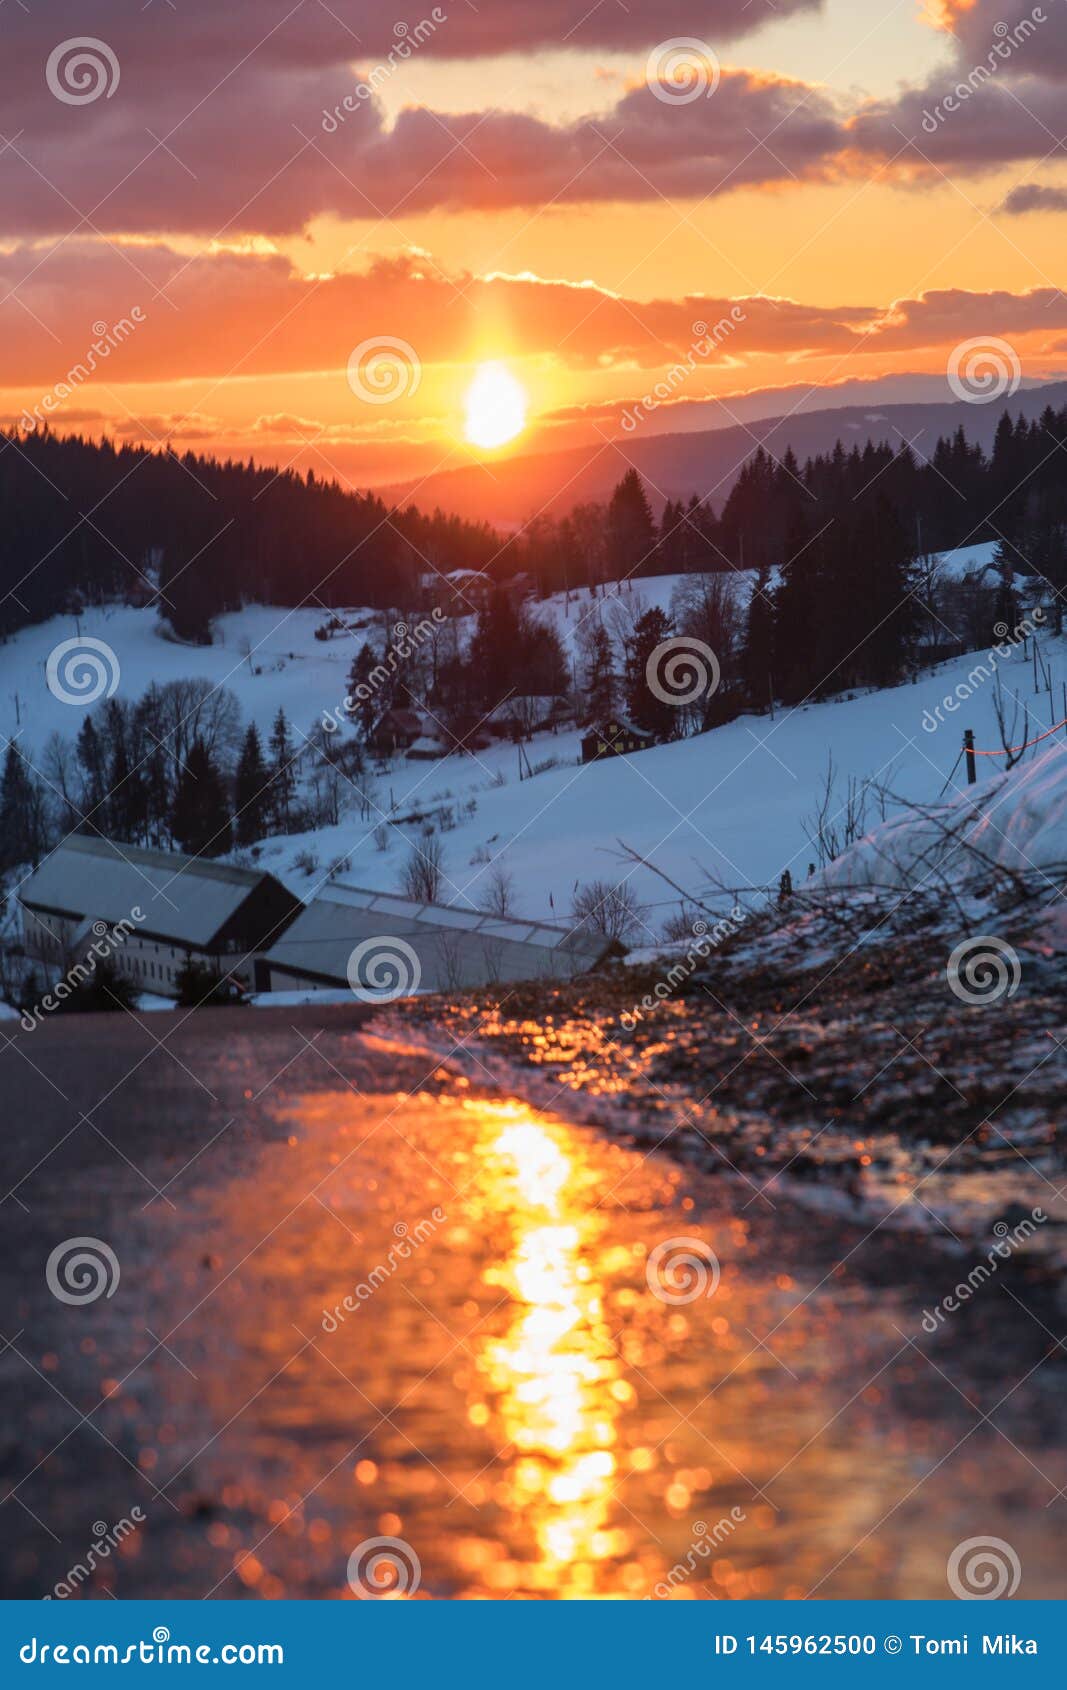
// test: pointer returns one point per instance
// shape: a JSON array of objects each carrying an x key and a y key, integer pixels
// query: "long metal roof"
[
  {"x": 455, "y": 947},
  {"x": 182, "y": 898}
]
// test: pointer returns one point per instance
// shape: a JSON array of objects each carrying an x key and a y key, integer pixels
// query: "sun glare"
[{"x": 496, "y": 407}]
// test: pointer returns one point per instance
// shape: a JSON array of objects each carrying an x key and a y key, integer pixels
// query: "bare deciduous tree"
[
  {"x": 424, "y": 872},
  {"x": 610, "y": 911},
  {"x": 500, "y": 892}
]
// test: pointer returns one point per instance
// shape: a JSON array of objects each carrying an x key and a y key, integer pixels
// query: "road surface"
[{"x": 346, "y": 1295}]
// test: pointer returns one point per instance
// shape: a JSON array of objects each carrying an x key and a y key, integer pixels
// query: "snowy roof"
[
  {"x": 183, "y": 898},
  {"x": 455, "y": 947}
]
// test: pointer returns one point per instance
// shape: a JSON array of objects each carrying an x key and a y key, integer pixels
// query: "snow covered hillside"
[{"x": 733, "y": 803}]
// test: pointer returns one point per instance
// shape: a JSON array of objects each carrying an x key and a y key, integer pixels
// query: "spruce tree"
[
  {"x": 600, "y": 687},
  {"x": 252, "y": 793},
  {"x": 631, "y": 530},
  {"x": 757, "y": 652},
  {"x": 282, "y": 773},
  {"x": 366, "y": 705},
  {"x": 92, "y": 757},
  {"x": 200, "y": 821},
  {"x": 20, "y": 829},
  {"x": 646, "y": 709}
]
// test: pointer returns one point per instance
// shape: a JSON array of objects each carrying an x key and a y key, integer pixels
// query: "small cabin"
[
  {"x": 397, "y": 730},
  {"x": 614, "y": 738}
]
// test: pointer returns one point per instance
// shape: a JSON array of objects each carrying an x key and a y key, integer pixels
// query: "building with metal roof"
[
  {"x": 173, "y": 908},
  {"x": 381, "y": 944}
]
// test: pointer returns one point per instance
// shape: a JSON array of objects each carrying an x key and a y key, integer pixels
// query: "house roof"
[
  {"x": 615, "y": 725},
  {"x": 402, "y": 716},
  {"x": 183, "y": 898},
  {"x": 455, "y": 947}
]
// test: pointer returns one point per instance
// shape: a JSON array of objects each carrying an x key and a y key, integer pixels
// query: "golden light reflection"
[{"x": 553, "y": 1379}]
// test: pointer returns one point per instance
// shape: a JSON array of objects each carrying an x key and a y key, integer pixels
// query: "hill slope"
[{"x": 507, "y": 491}]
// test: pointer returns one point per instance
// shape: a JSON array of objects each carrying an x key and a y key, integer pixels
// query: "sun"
[{"x": 496, "y": 406}]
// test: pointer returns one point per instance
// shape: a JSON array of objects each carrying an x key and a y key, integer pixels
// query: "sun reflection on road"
[{"x": 553, "y": 1380}]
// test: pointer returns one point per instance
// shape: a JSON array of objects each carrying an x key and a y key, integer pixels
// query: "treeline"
[
  {"x": 176, "y": 769},
  {"x": 961, "y": 496},
  {"x": 90, "y": 520},
  {"x": 85, "y": 520}
]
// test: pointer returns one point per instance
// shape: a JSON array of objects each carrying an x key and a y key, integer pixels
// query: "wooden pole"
[{"x": 968, "y": 746}]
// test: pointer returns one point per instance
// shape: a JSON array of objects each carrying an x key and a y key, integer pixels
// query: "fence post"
[{"x": 968, "y": 746}]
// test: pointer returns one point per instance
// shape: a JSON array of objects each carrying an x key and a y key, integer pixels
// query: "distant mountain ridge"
[{"x": 707, "y": 462}]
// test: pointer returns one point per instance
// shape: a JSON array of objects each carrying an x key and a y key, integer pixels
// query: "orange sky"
[{"x": 228, "y": 230}]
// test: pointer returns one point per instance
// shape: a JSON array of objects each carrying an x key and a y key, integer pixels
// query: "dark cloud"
[
  {"x": 953, "y": 123},
  {"x": 200, "y": 39},
  {"x": 1016, "y": 35},
  {"x": 1032, "y": 196},
  {"x": 260, "y": 157}
]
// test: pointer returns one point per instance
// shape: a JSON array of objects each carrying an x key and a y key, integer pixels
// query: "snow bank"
[{"x": 1017, "y": 821}]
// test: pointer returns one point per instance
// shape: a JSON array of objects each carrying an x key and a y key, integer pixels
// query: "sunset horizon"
[{"x": 813, "y": 195}]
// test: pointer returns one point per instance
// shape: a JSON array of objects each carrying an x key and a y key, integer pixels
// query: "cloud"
[
  {"x": 242, "y": 315},
  {"x": 1005, "y": 31},
  {"x": 1032, "y": 196},
  {"x": 277, "y": 148},
  {"x": 999, "y": 99},
  {"x": 945, "y": 316},
  {"x": 200, "y": 41}
]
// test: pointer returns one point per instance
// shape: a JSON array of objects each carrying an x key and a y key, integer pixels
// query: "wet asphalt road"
[{"x": 502, "y": 1393}]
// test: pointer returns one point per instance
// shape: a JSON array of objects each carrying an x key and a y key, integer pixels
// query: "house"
[
  {"x": 426, "y": 748},
  {"x": 614, "y": 738},
  {"x": 458, "y": 593},
  {"x": 398, "y": 730},
  {"x": 395, "y": 946},
  {"x": 168, "y": 909}
]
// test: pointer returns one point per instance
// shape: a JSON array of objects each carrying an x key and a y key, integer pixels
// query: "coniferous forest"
[{"x": 87, "y": 518}]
